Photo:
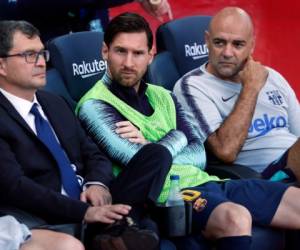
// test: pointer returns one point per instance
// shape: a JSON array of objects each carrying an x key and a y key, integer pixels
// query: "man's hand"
[
  {"x": 227, "y": 141},
  {"x": 106, "y": 214},
  {"x": 253, "y": 75},
  {"x": 128, "y": 131},
  {"x": 96, "y": 195},
  {"x": 158, "y": 8}
]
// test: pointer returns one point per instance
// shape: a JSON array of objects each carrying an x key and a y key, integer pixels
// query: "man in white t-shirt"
[{"x": 247, "y": 112}]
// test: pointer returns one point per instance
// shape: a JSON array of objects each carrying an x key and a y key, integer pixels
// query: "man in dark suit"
[{"x": 32, "y": 175}]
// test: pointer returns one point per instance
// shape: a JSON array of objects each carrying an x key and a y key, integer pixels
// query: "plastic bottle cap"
[{"x": 174, "y": 177}]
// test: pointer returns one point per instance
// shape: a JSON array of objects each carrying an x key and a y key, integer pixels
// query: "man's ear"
[
  {"x": 253, "y": 45},
  {"x": 151, "y": 55},
  {"x": 2, "y": 67},
  {"x": 104, "y": 51},
  {"x": 206, "y": 36}
]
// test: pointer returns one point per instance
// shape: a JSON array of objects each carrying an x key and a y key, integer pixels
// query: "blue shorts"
[{"x": 260, "y": 197}]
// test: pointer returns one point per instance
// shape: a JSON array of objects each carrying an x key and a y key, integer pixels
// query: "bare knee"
[
  {"x": 287, "y": 214},
  {"x": 49, "y": 240},
  {"x": 68, "y": 242},
  {"x": 229, "y": 219}
]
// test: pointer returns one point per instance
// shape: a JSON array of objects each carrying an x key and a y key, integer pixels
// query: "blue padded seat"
[
  {"x": 181, "y": 47},
  {"x": 77, "y": 64},
  {"x": 184, "y": 38}
]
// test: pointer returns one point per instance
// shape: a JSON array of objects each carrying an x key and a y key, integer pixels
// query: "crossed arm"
[{"x": 120, "y": 139}]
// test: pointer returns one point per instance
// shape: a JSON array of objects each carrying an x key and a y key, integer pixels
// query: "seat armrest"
[{"x": 232, "y": 171}]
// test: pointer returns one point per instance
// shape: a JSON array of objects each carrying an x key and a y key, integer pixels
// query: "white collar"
[{"x": 23, "y": 106}]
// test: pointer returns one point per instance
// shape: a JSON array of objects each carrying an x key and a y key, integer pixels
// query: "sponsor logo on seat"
[
  {"x": 88, "y": 69},
  {"x": 196, "y": 51},
  {"x": 266, "y": 124}
]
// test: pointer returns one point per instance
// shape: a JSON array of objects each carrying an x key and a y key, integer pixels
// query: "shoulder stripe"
[{"x": 191, "y": 102}]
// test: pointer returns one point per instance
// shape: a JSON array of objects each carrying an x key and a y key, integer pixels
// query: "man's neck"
[
  {"x": 234, "y": 79},
  {"x": 27, "y": 94}
]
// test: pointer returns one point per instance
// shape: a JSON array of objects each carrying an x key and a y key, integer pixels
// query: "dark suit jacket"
[{"x": 29, "y": 175}]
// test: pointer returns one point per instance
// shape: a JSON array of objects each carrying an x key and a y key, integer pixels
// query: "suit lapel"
[
  {"x": 11, "y": 111},
  {"x": 50, "y": 109}
]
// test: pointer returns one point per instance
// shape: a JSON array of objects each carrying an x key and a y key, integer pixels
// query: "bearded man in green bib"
[{"x": 127, "y": 116}]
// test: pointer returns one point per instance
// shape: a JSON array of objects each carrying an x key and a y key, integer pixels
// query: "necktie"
[{"x": 46, "y": 135}]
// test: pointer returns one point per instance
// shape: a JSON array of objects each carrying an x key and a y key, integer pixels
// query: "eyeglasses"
[{"x": 32, "y": 56}]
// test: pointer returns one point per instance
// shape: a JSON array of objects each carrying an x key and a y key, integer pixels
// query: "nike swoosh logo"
[{"x": 228, "y": 98}]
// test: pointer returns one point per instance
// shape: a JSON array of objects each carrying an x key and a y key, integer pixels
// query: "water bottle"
[
  {"x": 175, "y": 219},
  {"x": 174, "y": 198}
]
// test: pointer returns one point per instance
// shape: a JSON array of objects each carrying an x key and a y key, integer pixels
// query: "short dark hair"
[
  {"x": 128, "y": 23},
  {"x": 7, "y": 30}
]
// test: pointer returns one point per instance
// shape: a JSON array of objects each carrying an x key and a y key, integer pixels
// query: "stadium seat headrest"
[
  {"x": 78, "y": 59},
  {"x": 184, "y": 38}
]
